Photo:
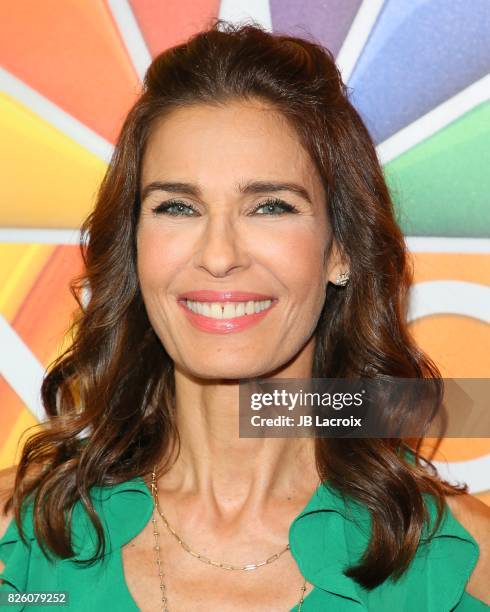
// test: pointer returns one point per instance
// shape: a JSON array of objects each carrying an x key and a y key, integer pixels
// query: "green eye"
[
  {"x": 179, "y": 205},
  {"x": 275, "y": 203}
]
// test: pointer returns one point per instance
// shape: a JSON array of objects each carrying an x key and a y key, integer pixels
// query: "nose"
[{"x": 219, "y": 249}]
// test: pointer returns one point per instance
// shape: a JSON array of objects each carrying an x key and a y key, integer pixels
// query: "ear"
[{"x": 336, "y": 262}]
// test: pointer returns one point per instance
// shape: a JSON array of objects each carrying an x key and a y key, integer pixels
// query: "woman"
[{"x": 242, "y": 178}]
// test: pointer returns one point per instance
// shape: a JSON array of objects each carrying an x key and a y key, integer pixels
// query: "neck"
[{"x": 219, "y": 469}]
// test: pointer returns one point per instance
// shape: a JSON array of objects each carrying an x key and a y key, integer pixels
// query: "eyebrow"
[{"x": 252, "y": 187}]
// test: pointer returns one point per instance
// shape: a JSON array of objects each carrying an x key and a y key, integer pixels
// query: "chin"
[{"x": 229, "y": 373}]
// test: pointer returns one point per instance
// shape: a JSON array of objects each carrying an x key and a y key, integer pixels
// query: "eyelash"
[{"x": 164, "y": 206}]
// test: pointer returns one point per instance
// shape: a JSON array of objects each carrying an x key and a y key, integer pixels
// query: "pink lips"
[{"x": 210, "y": 324}]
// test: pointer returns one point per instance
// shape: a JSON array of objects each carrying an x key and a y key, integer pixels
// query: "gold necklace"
[{"x": 228, "y": 566}]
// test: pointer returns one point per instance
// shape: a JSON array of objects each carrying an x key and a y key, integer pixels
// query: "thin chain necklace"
[{"x": 227, "y": 566}]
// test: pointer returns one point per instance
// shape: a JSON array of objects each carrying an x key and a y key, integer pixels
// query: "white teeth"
[
  {"x": 216, "y": 312},
  {"x": 227, "y": 310},
  {"x": 250, "y": 307}
]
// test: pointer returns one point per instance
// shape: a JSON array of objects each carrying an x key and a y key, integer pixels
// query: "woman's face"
[{"x": 207, "y": 224}]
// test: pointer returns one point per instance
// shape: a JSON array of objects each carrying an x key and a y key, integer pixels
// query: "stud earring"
[{"x": 342, "y": 279}]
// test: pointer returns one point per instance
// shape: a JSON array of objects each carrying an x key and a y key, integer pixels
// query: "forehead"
[{"x": 233, "y": 141}]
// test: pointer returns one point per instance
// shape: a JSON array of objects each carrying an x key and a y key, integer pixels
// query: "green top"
[{"x": 327, "y": 535}]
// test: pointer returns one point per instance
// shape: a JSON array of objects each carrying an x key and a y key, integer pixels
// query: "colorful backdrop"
[{"x": 419, "y": 76}]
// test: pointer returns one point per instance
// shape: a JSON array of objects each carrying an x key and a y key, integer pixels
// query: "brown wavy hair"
[{"x": 109, "y": 397}]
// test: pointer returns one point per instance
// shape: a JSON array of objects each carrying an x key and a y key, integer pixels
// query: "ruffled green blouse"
[{"x": 328, "y": 535}]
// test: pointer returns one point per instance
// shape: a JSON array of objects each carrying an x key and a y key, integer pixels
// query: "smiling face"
[{"x": 209, "y": 221}]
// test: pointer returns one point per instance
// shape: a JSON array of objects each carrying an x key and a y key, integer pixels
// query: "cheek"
[
  {"x": 156, "y": 255},
  {"x": 299, "y": 252}
]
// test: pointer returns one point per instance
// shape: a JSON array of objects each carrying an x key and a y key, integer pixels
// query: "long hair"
[{"x": 110, "y": 397}]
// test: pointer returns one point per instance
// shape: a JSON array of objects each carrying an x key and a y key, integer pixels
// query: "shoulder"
[
  {"x": 7, "y": 479},
  {"x": 7, "y": 483},
  {"x": 474, "y": 515}
]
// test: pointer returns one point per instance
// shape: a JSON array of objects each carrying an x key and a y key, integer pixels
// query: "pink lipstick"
[{"x": 225, "y": 325}]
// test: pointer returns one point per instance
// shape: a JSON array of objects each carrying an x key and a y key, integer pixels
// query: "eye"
[
  {"x": 178, "y": 205},
  {"x": 181, "y": 207},
  {"x": 272, "y": 203}
]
